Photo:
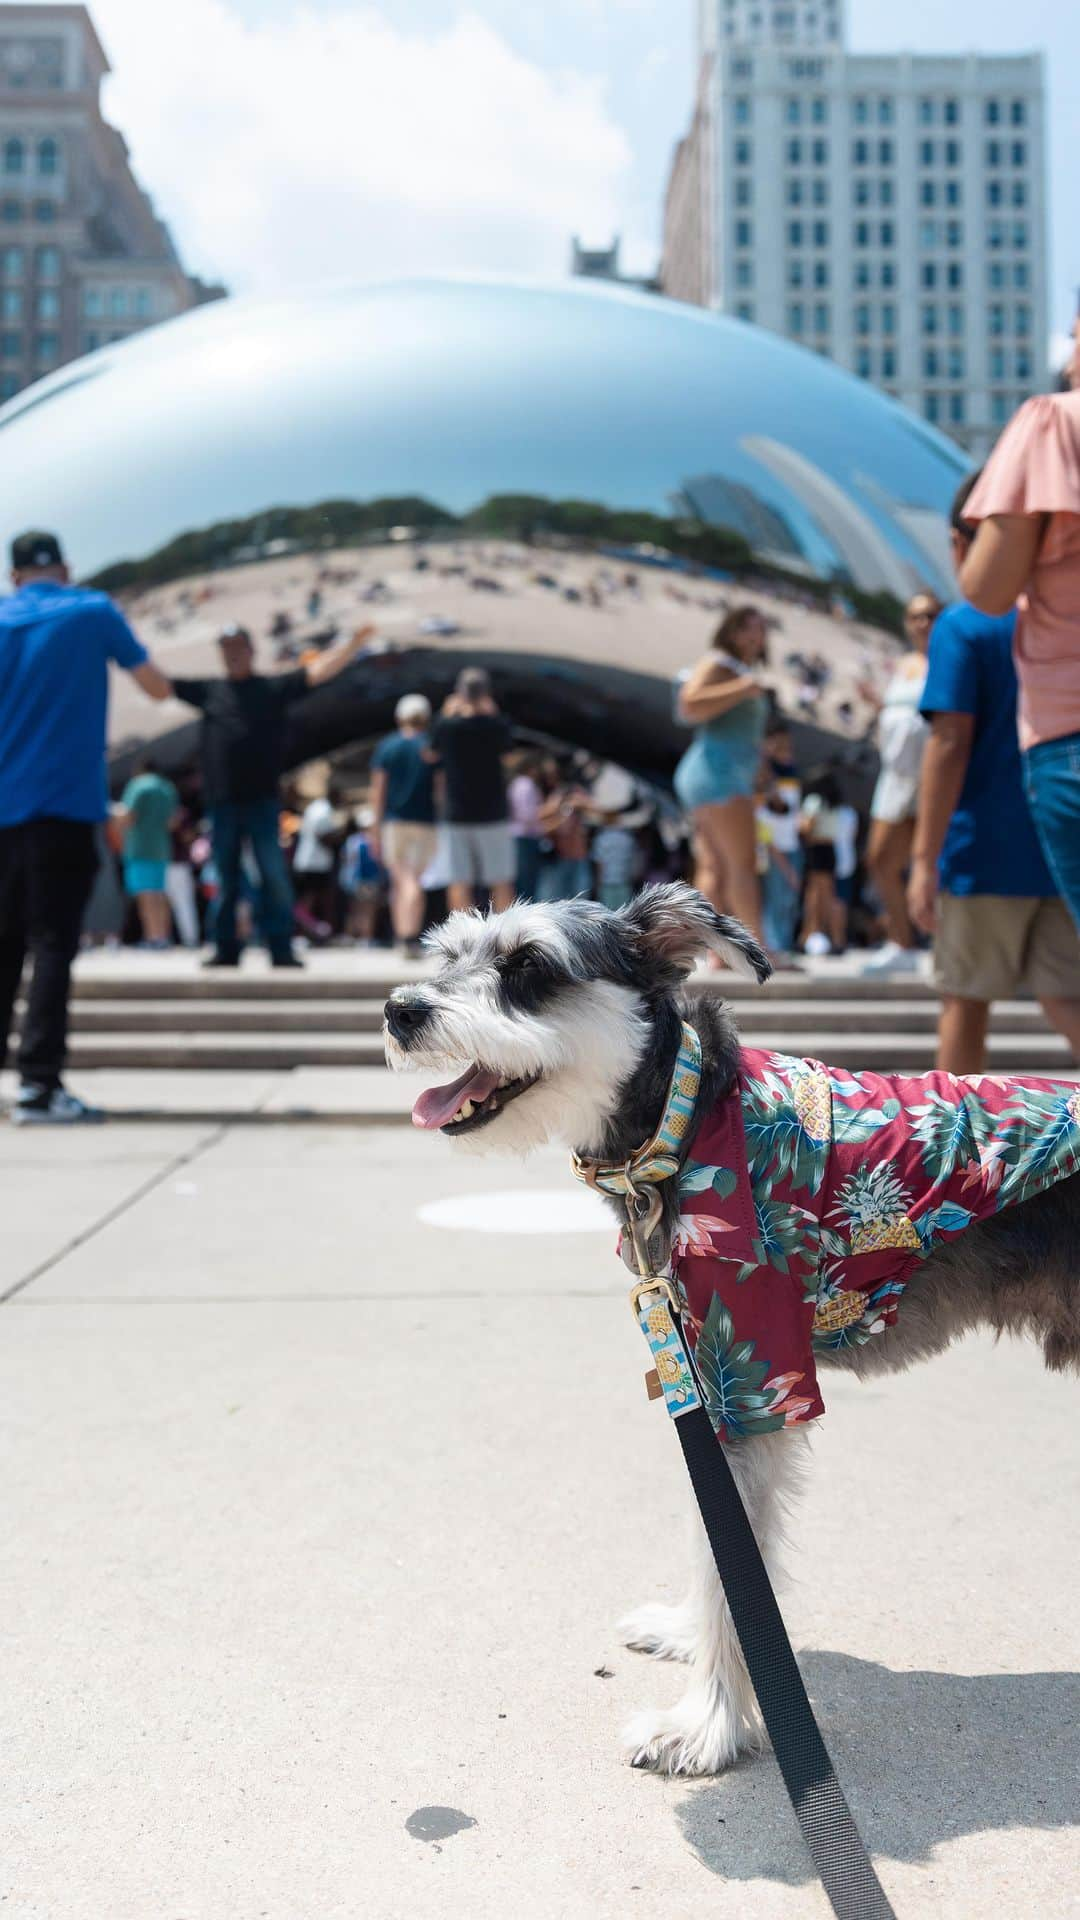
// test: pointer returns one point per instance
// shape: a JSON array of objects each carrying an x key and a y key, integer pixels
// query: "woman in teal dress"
[{"x": 725, "y": 702}]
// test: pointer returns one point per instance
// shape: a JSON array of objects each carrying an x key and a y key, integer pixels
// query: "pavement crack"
[{"x": 179, "y": 1160}]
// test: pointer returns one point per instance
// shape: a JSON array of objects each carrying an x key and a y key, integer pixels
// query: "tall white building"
[{"x": 886, "y": 210}]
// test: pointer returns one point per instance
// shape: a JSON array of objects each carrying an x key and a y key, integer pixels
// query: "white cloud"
[{"x": 331, "y": 143}]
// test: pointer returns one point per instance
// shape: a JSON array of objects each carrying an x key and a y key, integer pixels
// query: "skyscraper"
[
  {"x": 886, "y": 210},
  {"x": 83, "y": 257}
]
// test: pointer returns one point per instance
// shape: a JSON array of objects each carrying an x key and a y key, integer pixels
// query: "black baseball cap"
[{"x": 35, "y": 549}]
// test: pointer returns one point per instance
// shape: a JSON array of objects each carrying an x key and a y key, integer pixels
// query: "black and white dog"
[{"x": 563, "y": 1023}]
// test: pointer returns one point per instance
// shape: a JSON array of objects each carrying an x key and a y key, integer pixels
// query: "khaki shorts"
[
  {"x": 989, "y": 944},
  {"x": 408, "y": 844}
]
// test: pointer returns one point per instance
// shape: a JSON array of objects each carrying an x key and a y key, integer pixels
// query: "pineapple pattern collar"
[{"x": 808, "y": 1198}]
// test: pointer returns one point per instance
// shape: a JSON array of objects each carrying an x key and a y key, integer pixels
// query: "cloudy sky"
[{"x": 296, "y": 139}]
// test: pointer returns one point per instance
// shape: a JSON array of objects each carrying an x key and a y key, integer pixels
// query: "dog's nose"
[{"x": 406, "y": 1012}]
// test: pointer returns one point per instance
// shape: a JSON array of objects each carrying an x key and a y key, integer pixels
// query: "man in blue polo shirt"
[
  {"x": 979, "y": 881},
  {"x": 56, "y": 642}
]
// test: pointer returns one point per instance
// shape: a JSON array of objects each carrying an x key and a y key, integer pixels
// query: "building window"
[
  {"x": 885, "y": 113},
  {"x": 793, "y": 192},
  {"x": 885, "y": 192},
  {"x": 794, "y": 153},
  {"x": 45, "y": 211},
  {"x": 927, "y": 193},
  {"x": 12, "y": 262},
  {"x": 1018, "y": 113},
  {"x": 956, "y": 321},
  {"x": 993, "y": 153},
  {"x": 819, "y": 111},
  {"x": 888, "y": 318},
  {"x": 11, "y": 346},
  {"x": 744, "y": 273},
  {"x": 862, "y": 273},
  {"x": 14, "y": 156},
  {"x": 956, "y": 409},
  {"x": 821, "y": 273},
  {"x": 821, "y": 233},
  {"x": 1019, "y": 235},
  {"x": 862, "y": 233},
  {"x": 821, "y": 317},
  {"x": 886, "y": 153},
  {"x": 819, "y": 192},
  {"x": 118, "y": 305},
  {"x": 997, "y": 322},
  {"x": 795, "y": 233},
  {"x": 862, "y": 319},
  {"x": 795, "y": 316},
  {"x": 953, "y": 193},
  {"x": 1022, "y": 322},
  {"x": 11, "y": 304},
  {"x": 954, "y": 233},
  {"x": 888, "y": 363},
  {"x": 793, "y": 110},
  {"x": 1018, "y": 196},
  {"x": 999, "y": 409},
  {"x": 47, "y": 348},
  {"x": 929, "y": 320},
  {"x": 47, "y": 263},
  {"x": 744, "y": 233},
  {"x": 992, "y": 113},
  {"x": 993, "y": 193},
  {"x": 952, "y": 153},
  {"x": 863, "y": 363},
  {"x": 926, "y": 153},
  {"x": 48, "y": 158},
  {"x": 1023, "y": 364},
  {"x": 928, "y": 233},
  {"x": 47, "y": 306},
  {"x": 742, "y": 69},
  {"x": 92, "y": 303},
  {"x": 951, "y": 114},
  {"x": 742, "y": 110},
  {"x": 862, "y": 191},
  {"x": 11, "y": 211},
  {"x": 794, "y": 273},
  {"x": 995, "y": 234},
  {"x": 860, "y": 153},
  {"x": 954, "y": 278},
  {"x": 819, "y": 153},
  {"x": 956, "y": 363},
  {"x": 1018, "y": 153},
  {"x": 745, "y": 310},
  {"x": 888, "y": 273},
  {"x": 888, "y": 233},
  {"x": 742, "y": 190},
  {"x": 1020, "y": 276},
  {"x": 743, "y": 152},
  {"x": 860, "y": 110},
  {"x": 928, "y": 275},
  {"x": 996, "y": 363},
  {"x": 9, "y": 385},
  {"x": 926, "y": 112},
  {"x": 930, "y": 363}
]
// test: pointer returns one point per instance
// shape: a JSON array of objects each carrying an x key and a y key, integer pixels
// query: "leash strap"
[{"x": 833, "y": 1841}]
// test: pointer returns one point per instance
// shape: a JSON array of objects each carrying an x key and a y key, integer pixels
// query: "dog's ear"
[{"x": 675, "y": 924}]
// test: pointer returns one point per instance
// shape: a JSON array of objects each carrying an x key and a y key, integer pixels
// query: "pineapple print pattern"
[{"x": 811, "y": 1194}]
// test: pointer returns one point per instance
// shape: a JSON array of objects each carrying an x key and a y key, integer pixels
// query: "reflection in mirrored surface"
[{"x": 572, "y": 483}]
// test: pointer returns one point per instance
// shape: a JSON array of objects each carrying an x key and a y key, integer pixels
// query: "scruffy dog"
[{"x": 816, "y": 1200}]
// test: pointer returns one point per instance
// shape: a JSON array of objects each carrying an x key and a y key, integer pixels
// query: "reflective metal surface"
[{"x": 555, "y": 445}]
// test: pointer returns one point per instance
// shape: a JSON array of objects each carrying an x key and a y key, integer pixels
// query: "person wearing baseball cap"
[{"x": 56, "y": 643}]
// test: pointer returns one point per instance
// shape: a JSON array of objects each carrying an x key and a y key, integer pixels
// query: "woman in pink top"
[{"x": 1027, "y": 552}]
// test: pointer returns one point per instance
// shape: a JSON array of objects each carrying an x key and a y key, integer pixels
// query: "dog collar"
[{"x": 661, "y": 1156}]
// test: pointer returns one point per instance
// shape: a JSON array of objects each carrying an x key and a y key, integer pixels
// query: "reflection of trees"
[{"x": 523, "y": 517}]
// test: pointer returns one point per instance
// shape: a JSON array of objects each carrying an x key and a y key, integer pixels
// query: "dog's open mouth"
[{"x": 470, "y": 1102}]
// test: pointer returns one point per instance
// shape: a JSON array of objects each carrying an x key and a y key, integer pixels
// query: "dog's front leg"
[{"x": 717, "y": 1717}]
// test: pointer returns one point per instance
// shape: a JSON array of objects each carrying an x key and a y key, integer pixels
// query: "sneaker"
[
  {"x": 287, "y": 960},
  {"x": 891, "y": 958},
  {"x": 221, "y": 960},
  {"x": 817, "y": 945},
  {"x": 39, "y": 1107}
]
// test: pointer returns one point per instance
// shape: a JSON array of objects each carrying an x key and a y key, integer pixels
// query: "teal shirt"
[{"x": 151, "y": 802}]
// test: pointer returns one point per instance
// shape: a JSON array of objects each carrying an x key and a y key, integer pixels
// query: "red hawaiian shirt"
[{"x": 810, "y": 1194}]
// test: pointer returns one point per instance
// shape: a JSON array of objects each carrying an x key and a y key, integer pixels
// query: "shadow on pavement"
[{"x": 922, "y": 1757}]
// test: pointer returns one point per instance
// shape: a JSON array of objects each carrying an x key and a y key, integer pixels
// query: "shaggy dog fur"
[{"x": 568, "y": 1018}]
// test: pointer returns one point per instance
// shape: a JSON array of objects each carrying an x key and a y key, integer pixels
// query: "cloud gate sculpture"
[{"x": 569, "y": 483}]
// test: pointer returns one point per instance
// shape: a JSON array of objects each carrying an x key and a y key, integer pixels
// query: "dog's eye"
[{"x": 522, "y": 960}]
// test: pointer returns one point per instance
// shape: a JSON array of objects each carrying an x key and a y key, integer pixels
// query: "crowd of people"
[{"x": 972, "y": 839}]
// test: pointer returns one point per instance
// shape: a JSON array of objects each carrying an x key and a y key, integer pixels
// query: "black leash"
[{"x": 832, "y": 1838}]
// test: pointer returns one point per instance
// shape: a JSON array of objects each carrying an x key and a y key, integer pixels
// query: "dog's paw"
[
  {"x": 658, "y": 1629},
  {"x": 688, "y": 1739}
]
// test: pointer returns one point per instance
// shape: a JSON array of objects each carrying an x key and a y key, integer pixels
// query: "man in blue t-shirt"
[
  {"x": 979, "y": 881},
  {"x": 403, "y": 799},
  {"x": 56, "y": 642}
]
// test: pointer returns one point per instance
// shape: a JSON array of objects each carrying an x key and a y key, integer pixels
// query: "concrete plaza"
[{"x": 319, "y": 1516}]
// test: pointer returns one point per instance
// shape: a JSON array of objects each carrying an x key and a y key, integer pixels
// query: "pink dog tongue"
[{"x": 439, "y": 1104}]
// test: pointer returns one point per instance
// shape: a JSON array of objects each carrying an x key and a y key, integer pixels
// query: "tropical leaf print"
[
  {"x": 853, "y": 1125},
  {"x": 698, "y": 1178},
  {"x": 1041, "y": 1140},
  {"x": 701, "y": 1233},
  {"x": 778, "y": 1145},
  {"x": 947, "y": 1131},
  {"x": 739, "y": 1396}
]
